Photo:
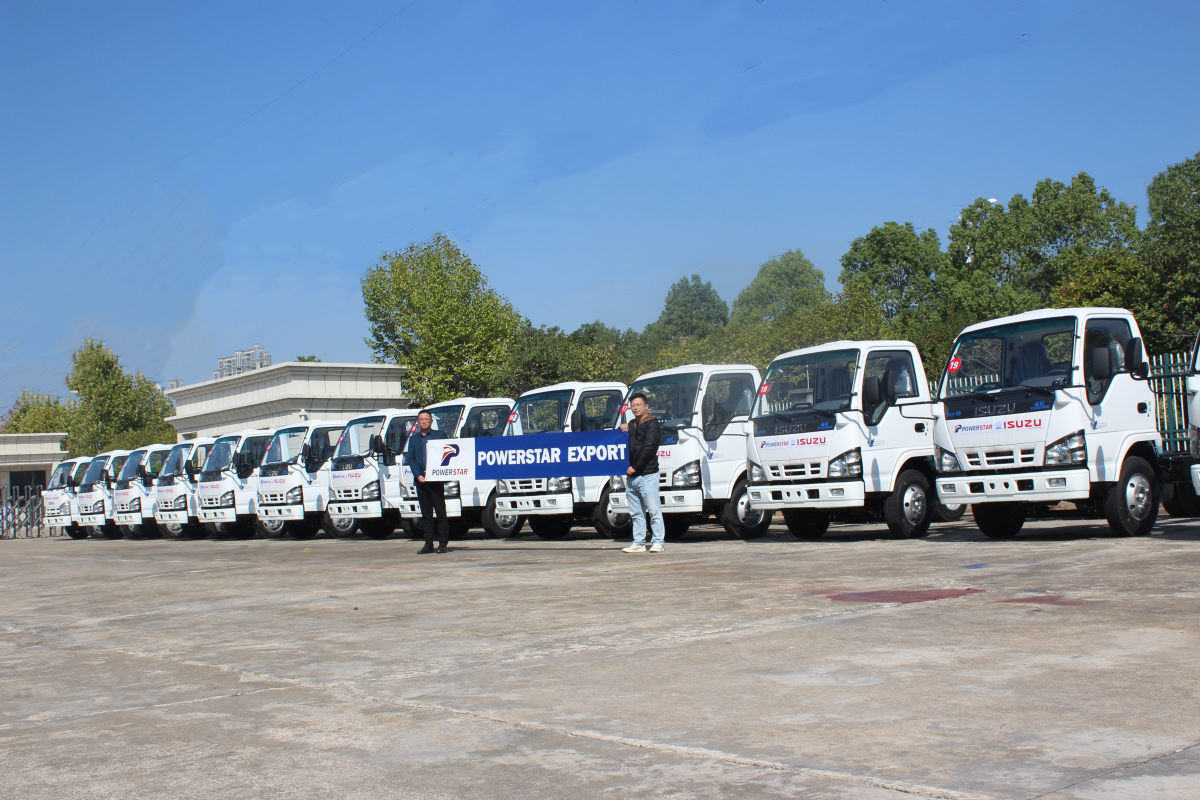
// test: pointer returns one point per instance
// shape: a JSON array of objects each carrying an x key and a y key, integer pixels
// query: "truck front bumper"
[
  {"x": 294, "y": 511},
  {"x": 174, "y": 517},
  {"x": 1049, "y": 486},
  {"x": 62, "y": 521},
  {"x": 92, "y": 520},
  {"x": 129, "y": 518},
  {"x": 840, "y": 494},
  {"x": 411, "y": 509},
  {"x": 673, "y": 501},
  {"x": 535, "y": 504},
  {"x": 218, "y": 515}
]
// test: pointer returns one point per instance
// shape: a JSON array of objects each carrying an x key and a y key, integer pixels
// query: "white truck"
[
  {"x": 177, "y": 510},
  {"x": 294, "y": 479},
  {"x": 95, "y": 495},
  {"x": 228, "y": 487},
  {"x": 552, "y": 505},
  {"x": 58, "y": 498},
  {"x": 845, "y": 431},
  {"x": 1049, "y": 406},
  {"x": 135, "y": 495},
  {"x": 703, "y": 411},
  {"x": 366, "y": 471}
]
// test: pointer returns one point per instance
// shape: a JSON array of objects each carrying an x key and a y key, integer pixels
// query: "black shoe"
[
  {"x": 428, "y": 548},
  {"x": 441, "y": 548}
]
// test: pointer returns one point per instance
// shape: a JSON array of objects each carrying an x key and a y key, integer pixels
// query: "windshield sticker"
[
  {"x": 955, "y": 364},
  {"x": 766, "y": 387}
]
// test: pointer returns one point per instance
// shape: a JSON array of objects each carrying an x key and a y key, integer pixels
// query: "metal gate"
[
  {"x": 1167, "y": 373},
  {"x": 21, "y": 512}
]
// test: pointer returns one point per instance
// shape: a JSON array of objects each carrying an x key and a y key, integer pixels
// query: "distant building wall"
[
  {"x": 255, "y": 357},
  {"x": 284, "y": 393},
  {"x": 26, "y": 458}
]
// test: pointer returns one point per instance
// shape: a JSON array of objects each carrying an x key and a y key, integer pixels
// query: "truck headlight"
[
  {"x": 296, "y": 495},
  {"x": 616, "y": 483},
  {"x": 847, "y": 465},
  {"x": 558, "y": 484},
  {"x": 947, "y": 461},
  {"x": 1067, "y": 450},
  {"x": 687, "y": 475},
  {"x": 503, "y": 487},
  {"x": 225, "y": 500},
  {"x": 178, "y": 504},
  {"x": 451, "y": 489},
  {"x": 98, "y": 507},
  {"x": 371, "y": 491},
  {"x": 757, "y": 473},
  {"x": 135, "y": 504}
]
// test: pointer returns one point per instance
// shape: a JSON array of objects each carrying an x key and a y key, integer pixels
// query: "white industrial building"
[
  {"x": 26, "y": 458},
  {"x": 292, "y": 391}
]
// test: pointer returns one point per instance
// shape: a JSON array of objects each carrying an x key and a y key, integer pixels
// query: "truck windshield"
[
  {"x": 130, "y": 469},
  {"x": 61, "y": 473},
  {"x": 221, "y": 455},
  {"x": 1035, "y": 355},
  {"x": 356, "y": 441},
  {"x": 446, "y": 418},
  {"x": 822, "y": 381},
  {"x": 285, "y": 445},
  {"x": 672, "y": 398},
  {"x": 95, "y": 470},
  {"x": 539, "y": 413},
  {"x": 174, "y": 464},
  {"x": 77, "y": 475}
]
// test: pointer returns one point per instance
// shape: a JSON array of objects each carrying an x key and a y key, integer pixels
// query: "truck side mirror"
[
  {"x": 1135, "y": 359},
  {"x": 1101, "y": 363},
  {"x": 708, "y": 409},
  {"x": 376, "y": 443},
  {"x": 872, "y": 392},
  {"x": 189, "y": 469},
  {"x": 576, "y": 420},
  {"x": 888, "y": 389}
]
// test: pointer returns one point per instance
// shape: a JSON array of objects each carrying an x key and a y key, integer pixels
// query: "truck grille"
[
  {"x": 274, "y": 498},
  {"x": 210, "y": 502},
  {"x": 525, "y": 485},
  {"x": 794, "y": 470},
  {"x": 346, "y": 494},
  {"x": 986, "y": 459}
]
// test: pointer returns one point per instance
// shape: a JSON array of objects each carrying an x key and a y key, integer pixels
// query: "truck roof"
[
  {"x": 472, "y": 401},
  {"x": 576, "y": 386},
  {"x": 1049, "y": 313},
  {"x": 248, "y": 432},
  {"x": 843, "y": 344},
  {"x": 703, "y": 368},
  {"x": 384, "y": 412}
]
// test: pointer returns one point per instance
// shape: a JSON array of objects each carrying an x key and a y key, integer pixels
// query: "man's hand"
[
  {"x": 624, "y": 427},
  {"x": 420, "y": 479},
  {"x": 630, "y": 471}
]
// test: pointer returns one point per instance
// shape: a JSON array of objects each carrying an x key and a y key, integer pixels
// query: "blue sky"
[{"x": 183, "y": 179}]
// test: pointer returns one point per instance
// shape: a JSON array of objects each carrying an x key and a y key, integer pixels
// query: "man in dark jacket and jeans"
[
  {"x": 641, "y": 478},
  {"x": 430, "y": 494}
]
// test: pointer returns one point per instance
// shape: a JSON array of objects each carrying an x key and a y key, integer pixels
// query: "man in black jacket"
[
  {"x": 641, "y": 478},
  {"x": 430, "y": 494}
]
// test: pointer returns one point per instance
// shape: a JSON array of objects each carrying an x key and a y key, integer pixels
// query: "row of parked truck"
[{"x": 1050, "y": 411}]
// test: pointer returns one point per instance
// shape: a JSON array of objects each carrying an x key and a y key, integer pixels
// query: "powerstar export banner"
[{"x": 535, "y": 455}]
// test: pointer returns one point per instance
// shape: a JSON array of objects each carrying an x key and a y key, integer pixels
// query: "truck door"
[
  {"x": 891, "y": 431},
  {"x": 725, "y": 413},
  {"x": 395, "y": 436},
  {"x": 1113, "y": 400}
]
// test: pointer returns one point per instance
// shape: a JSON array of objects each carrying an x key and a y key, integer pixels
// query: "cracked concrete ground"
[{"x": 1063, "y": 664}]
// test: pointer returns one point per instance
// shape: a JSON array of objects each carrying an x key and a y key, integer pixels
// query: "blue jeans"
[{"x": 642, "y": 496}]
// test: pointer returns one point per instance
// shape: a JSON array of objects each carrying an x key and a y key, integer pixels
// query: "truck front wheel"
[
  {"x": 742, "y": 521},
  {"x": 500, "y": 524},
  {"x": 77, "y": 532},
  {"x": 805, "y": 523},
  {"x": 999, "y": 520},
  {"x": 339, "y": 527},
  {"x": 1131, "y": 503},
  {"x": 908, "y": 510},
  {"x": 378, "y": 527},
  {"x": 608, "y": 521}
]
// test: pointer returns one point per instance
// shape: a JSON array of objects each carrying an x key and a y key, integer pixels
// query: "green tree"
[
  {"x": 783, "y": 285},
  {"x": 692, "y": 308},
  {"x": 1005, "y": 260},
  {"x": 898, "y": 267},
  {"x": 1171, "y": 249},
  {"x": 307, "y": 359},
  {"x": 543, "y": 356},
  {"x": 1118, "y": 278},
  {"x": 39, "y": 413},
  {"x": 116, "y": 409},
  {"x": 430, "y": 308}
]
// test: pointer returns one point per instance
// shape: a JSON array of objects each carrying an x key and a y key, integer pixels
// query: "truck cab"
[
  {"x": 178, "y": 506},
  {"x": 1048, "y": 406},
  {"x": 366, "y": 471},
  {"x": 468, "y": 418},
  {"x": 703, "y": 412},
  {"x": 552, "y": 505},
  {"x": 228, "y": 486},
  {"x": 95, "y": 494},
  {"x": 135, "y": 494},
  {"x": 58, "y": 498},
  {"x": 293, "y": 480},
  {"x": 845, "y": 431}
]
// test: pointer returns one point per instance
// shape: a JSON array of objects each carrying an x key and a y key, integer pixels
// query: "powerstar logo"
[
  {"x": 982, "y": 426},
  {"x": 448, "y": 452}
]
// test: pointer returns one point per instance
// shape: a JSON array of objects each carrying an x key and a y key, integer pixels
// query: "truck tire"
[
  {"x": 497, "y": 525},
  {"x": 1131, "y": 504},
  {"x": 551, "y": 527},
  {"x": 147, "y": 530},
  {"x": 739, "y": 519},
  {"x": 949, "y": 512},
  {"x": 610, "y": 523},
  {"x": 339, "y": 527},
  {"x": 378, "y": 527},
  {"x": 110, "y": 530},
  {"x": 806, "y": 524},
  {"x": 1180, "y": 500},
  {"x": 194, "y": 530},
  {"x": 271, "y": 528},
  {"x": 675, "y": 526},
  {"x": 77, "y": 532},
  {"x": 999, "y": 520},
  {"x": 908, "y": 510}
]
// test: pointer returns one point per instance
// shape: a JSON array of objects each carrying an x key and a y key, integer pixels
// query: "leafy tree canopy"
[{"x": 783, "y": 285}]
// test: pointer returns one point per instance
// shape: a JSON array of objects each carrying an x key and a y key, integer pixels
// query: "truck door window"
[
  {"x": 728, "y": 396},
  {"x": 893, "y": 365},
  {"x": 599, "y": 409},
  {"x": 154, "y": 463},
  {"x": 254, "y": 448},
  {"x": 396, "y": 435},
  {"x": 485, "y": 421},
  {"x": 322, "y": 445},
  {"x": 1112, "y": 335}
]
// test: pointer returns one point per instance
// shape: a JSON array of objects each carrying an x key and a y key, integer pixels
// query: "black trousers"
[{"x": 432, "y": 497}]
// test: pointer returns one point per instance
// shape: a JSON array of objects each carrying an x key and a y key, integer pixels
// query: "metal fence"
[
  {"x": 21, "y": 512},
  {"x": 1167, "y": 373}
]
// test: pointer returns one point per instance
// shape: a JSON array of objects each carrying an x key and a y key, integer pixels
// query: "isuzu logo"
[{"x": 1011, "y": 424}]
